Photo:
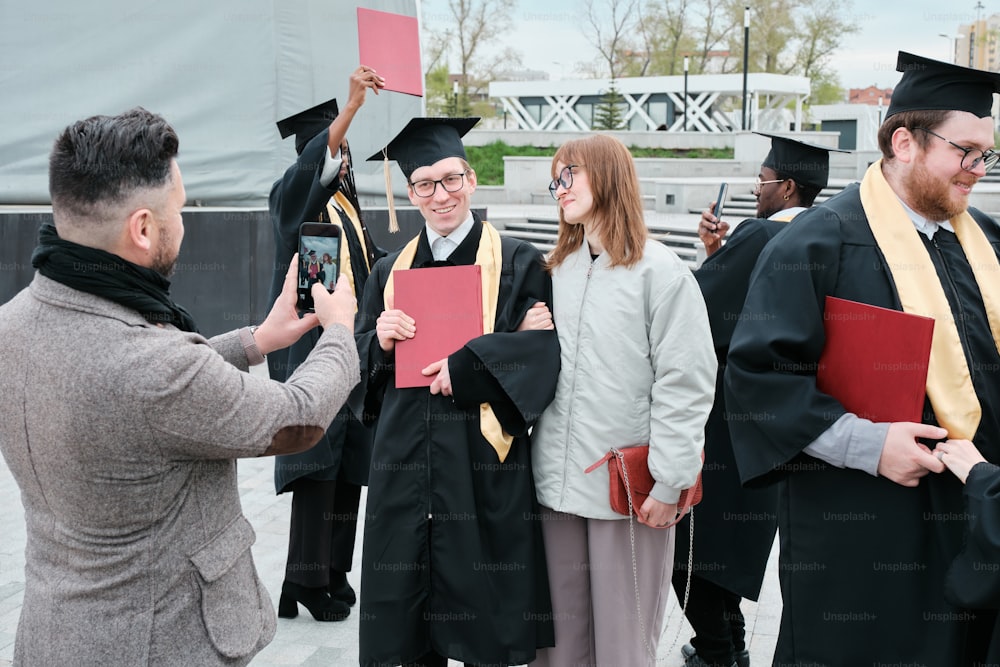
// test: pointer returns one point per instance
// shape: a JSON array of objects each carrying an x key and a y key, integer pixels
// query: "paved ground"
[{"x": 303, "y": 641}]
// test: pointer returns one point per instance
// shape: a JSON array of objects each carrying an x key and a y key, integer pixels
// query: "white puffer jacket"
[{"x": 638, "y": 366}]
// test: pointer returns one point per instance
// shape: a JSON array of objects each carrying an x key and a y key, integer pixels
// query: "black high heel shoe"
[
  {"x": 316, "y": 600},
  {"x": 340, "y": 589}
]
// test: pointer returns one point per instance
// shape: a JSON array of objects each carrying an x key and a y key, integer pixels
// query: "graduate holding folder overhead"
[
  {"x": 453, "y": 564},
  {"x": 868, "y": 526}
]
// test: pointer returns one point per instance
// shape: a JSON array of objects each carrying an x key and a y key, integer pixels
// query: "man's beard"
[
  {"x": 163, "y": 262},
  {"x": 932, "y": 196}
]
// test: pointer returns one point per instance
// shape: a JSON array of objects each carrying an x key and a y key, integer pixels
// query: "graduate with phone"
[{"x": 730, "y": 556}]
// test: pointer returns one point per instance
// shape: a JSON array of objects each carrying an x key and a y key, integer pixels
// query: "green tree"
[
  {"x": 609, "y": 114},
  {"x": 438, "y": 90},
  {"x": 463, "y": 30},
  {"x": 609, "y": 27}
]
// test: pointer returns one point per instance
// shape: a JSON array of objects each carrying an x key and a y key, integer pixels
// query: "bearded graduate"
[
  {"x": 868, "y": 525},
  {"x": 453, "y": 564}
]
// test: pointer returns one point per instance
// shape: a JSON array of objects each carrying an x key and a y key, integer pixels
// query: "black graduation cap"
[
  {"x": 424, "y": 141},
  {"x": 307, "y": 124},
  {"x": 808, "y": 164},
  {"x": 931, "y": 84}
]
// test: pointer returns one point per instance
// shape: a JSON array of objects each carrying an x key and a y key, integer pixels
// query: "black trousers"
[
  {"x": 323, "y": 528},
  {"x": 714, "y": 614}
]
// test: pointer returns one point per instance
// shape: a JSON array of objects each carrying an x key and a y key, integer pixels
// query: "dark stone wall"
[{"x": 224, "y": 270}]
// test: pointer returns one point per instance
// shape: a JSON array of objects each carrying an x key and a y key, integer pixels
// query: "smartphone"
[
  {"x": 720, "y": 200},
  {"x": 319, "y": 259}
]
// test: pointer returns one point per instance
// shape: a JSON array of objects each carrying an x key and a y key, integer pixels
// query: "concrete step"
[
  {"x": 541, "y": 198},
  {"x": 682, "y": 238}
]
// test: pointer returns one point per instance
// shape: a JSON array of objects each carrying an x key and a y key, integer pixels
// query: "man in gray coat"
[{"x": 121, "y": 424}]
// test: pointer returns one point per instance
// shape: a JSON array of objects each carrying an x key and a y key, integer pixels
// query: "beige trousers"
[{"x": 593, "y": 590}]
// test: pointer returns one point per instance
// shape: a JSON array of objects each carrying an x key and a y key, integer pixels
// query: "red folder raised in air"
[
  {"x": 390, "y": 44},
  {"x": 446, "y": 304},
  {"x": 875, "y": 360}
]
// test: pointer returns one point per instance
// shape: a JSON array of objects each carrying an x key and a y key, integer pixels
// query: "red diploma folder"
[
  {"x": 446, "y": 304},
  {"x": 875, "y": 360},
  {"x": 390, "y": 44}
]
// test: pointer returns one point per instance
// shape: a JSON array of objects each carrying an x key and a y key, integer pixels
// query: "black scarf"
[{"x": 109, "y": 276}]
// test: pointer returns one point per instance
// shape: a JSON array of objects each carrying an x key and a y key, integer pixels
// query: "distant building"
[
  {"x": 978, "y": 44},
  {"x": 522, "y": 75},
  {"x": 714, "y": 102},
  {"x": 870, "y": 95}
]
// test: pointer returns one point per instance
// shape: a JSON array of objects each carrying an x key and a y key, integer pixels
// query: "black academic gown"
[
  {"x": 453, "y": 558},
  {"x": 344, "y": 451},
  {"x": 863, "y": 559},
  {"x": 974, "y": 579},
  {"x": 734, "y": 526}
]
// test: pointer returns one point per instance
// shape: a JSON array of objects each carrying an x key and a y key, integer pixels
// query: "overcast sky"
[{"x": 551, "y": 37}]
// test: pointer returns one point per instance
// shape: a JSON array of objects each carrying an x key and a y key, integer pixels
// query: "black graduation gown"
[
  {"x": 974, "y": 578},
  {"x": 863, "y": 559},
  {"x": 734, "y": 526},
  {"x": 345, "y": 449},
  {"x": 471, "y": 582}
]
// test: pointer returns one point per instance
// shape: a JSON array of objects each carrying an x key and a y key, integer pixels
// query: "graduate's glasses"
[
  {"x": 759, "y": 183},
  {"x": 450, "y": 183},
  {"x": 564, "y": 179},
  {"x": 972, "y": 156}
]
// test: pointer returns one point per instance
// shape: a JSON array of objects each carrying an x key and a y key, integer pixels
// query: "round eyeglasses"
[
  {"x": 971, "y": 157},
  {"x": 564, "y": 179},
  {"x": 450, "y": 183},
  {"x": 759, "y": 183}
]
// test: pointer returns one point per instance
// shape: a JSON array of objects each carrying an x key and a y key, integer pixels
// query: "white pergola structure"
[{"x": 652, "y": 101}]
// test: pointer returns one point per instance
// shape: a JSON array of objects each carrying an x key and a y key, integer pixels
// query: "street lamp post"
[
  {"x": 685, "y": 93},
  {"x": 951, "y": 46},
  {"x": 746, "y": 60},
  {"x": 454, "y": 97}
]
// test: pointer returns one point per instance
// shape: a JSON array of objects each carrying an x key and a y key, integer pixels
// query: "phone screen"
[
  {"x": 720, "y": 201},
  {"x": 319, "y": 258}
]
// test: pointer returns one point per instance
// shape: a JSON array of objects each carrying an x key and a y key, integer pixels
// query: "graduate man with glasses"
[
  {"x": 453, "y": 562},
  {"x": 869, "y": 529}
]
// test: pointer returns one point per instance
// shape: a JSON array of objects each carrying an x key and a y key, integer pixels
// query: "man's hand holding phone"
[
  {"x": 337, "y": 307},
  {"x": 711, "y": 228}
]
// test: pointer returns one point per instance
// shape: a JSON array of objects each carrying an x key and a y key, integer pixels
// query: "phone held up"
[
  {"x": 319, "y": 259},
  {"x": 720, "y": 201}
]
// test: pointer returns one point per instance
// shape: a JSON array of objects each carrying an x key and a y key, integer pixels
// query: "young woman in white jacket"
[{"x": 638, "y": 367}]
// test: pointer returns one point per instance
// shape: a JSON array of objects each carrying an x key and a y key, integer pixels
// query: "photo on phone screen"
[
  {"x": 720, "y": 201},
  {"x": 319, "y": 257}
]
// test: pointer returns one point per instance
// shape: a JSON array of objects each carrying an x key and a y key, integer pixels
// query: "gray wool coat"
[{"x": 122, "y": 437}]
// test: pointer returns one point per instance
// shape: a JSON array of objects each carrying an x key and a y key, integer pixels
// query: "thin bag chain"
[{"x": 635, "y": 570}]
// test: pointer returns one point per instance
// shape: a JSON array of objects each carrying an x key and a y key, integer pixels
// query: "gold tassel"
[{"x": 393, "y": 223}]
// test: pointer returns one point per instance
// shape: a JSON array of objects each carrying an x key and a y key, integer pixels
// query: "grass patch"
[{"x": 488, "y": 160}]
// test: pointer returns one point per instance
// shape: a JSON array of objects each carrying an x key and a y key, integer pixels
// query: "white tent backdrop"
[{"x": 220, "y": 72}]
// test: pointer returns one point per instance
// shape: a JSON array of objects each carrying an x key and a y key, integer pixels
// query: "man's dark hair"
[
  {"x": 926, "y": 118},
  {"x": 103, "y": 160},
  {"x": 807, "y": 194}
]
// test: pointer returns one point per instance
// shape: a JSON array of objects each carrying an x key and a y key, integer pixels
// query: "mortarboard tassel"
[{"x": 393, "y": 223}]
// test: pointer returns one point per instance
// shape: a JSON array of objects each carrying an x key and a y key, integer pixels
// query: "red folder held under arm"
[
  {"x": 446, "y": 304},
  {"x": 875, "y": 360}
]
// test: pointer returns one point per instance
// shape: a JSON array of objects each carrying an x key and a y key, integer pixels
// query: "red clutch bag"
[{"x": 628, "y": 471}]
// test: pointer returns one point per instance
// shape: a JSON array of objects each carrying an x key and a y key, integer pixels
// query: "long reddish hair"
[{"x": 617, "y": 209}]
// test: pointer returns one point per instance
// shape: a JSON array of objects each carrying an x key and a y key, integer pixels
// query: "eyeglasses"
[
  {"x": 969, "y": 160},
  {"x": 564, "y": 179},
  {"x": 450, "y": 183},
  {"x": 758, "y": 183}
]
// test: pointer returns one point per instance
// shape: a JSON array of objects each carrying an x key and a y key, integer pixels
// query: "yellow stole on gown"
[
  {"x": 949, "y": 383},
  {"x": 489, "y": 258}
]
